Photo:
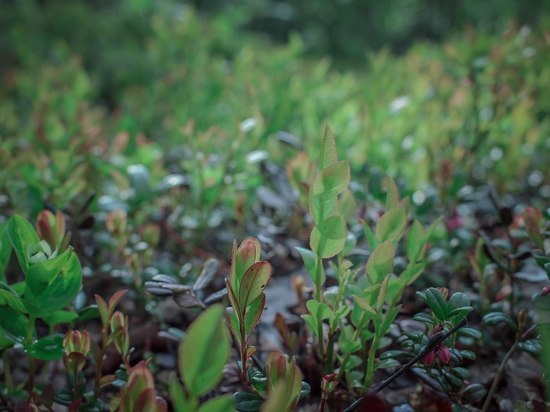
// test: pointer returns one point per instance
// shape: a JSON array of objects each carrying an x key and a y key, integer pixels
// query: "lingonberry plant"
[{"x": 443, "y": 361}]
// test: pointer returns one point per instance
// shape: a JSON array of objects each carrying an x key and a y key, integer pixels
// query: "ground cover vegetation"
[{"x": 196, "y": 218}]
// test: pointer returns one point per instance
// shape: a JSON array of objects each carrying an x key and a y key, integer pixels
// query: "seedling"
[{"x": 247, "y": 280}]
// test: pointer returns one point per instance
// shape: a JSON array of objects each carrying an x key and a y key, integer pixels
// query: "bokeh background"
[{"x": 113, "y": 97}]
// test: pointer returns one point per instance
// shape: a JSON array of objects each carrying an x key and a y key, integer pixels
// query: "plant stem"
[
  {"x": 320, "y": 339},
  {"x": 502, "y": 366},
  {"x": 99, "y": 362},
  {"x": 319, "y": 298},
  {"x": 7, "y": 372},
  {"x": 347, "y": 355},
  {"x": 28, "y": 342},
  {"x": 372, "y": 354},
  {"x": 329, "y": 365},
  {"x": 318, "y": 282}
]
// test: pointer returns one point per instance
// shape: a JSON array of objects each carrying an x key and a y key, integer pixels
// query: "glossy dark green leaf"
[
  {"x": 458, "y": 300},
  {"x": 468, "y": 354},
  {"x": 533, "y": 346},
  {"x": 387, "y": 364},
  {"x": 470, "y": 332},
  {"x": 247, "y": 402},
  {"x": 495, "y": 318},
  {"x": 474, "y": 393},
  {"x": 425, "y": 318},
  {"x": 436, "y": 302}
]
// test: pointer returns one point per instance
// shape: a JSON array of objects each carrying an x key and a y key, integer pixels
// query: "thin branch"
[
  {"x": 434, "y": 341},
  {"x": 502, "y": 366}
]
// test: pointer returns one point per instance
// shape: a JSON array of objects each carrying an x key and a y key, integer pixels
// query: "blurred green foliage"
[{"x": 91, "y": 88}]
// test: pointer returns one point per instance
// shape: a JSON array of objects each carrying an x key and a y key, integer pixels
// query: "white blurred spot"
[
  {"x": 248, "y": 124},
  {"x": 418, "y": 197},
  {"x": 399, "y": 104}
]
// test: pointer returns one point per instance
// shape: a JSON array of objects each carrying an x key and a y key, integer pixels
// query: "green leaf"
[
  {"x": 494, "y": 318},
  {"x": 179, "y": 402},
  {"x": 14, "y": 323},
  {"x": 416, "y": 242},
  {"x": 387, "y": 364},
  {"x": 322, "y": 206},
  {"x": 48, "y": 348},
  {"x": 220, "y": 404},
  {"x": 380, "y": 262},
  {"x": 5, "y": 250},
  {"x": 458, "y": 300},
  {"x": 328, "y": 237},
  {"x": 23, "y": 237},
  {"x": 53, "y": 284},
  {"x": 350, "y": 346},
  {"x": 204, "y": 352},
  {"x": 61, "y": 316},
  {"x": 391, "y": 225},
  {"x": 10, "y": 297},
  {"x": 470, "y": 332},
  {"x": 412, "y": 272},
  {"x": 253, "y": 314},
  {"x": 388, "y": 320},
  {"x": 333, "y": 180},
  {"x": 392, "y": 193},
  {"x": 347, "y": 205},
  {"x": 253, "y": 283},
  {"x": 247, "y": 402},
  {"x": 233, "y": 323},
  {"x": 468, "y": 354},
  {"x": 382, "y": 293},
  {"x": 328, "y": 154},
  {"x": 533, "y": 346},
  {"x": 372, "y": 241},
  {"x": 311, "y": 322},
  {"x": 362, "y": 303},
  {"x": 436, "y": 302},
  {"x": 424, "y": 318},
  {"x": 474, "y": 393},
  {"x": 319, "y": 310},
  {"x": 310, "y": 260}
]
